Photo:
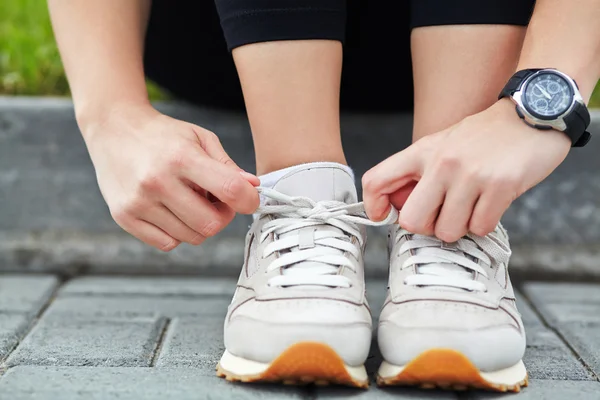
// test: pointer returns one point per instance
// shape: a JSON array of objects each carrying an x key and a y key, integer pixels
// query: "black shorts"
[{"x": 189, "y": 41}]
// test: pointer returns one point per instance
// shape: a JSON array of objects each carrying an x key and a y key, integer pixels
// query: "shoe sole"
[
  {"x": 450, "y": 369},
  {"x": 301, "y": 363}
]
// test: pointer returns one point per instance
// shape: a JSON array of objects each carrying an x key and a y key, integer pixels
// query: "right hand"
[{"x": 166, "y": 181}]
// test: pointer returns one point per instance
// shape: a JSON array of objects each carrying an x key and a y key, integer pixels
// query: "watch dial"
[{"x": 547, "y": 95}]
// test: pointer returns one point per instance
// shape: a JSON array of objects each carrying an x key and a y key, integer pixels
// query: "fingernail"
[{"x": 248, "y": 176}]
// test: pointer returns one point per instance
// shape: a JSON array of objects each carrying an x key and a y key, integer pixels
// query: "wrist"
[
  {"x": 505, "y": 109},
  {"x": 91, "y": 116}
]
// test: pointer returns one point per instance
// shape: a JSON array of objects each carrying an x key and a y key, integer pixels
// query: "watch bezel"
[
  {"x": 557, "y": 122},
  {"x": 529, "y": 79}
]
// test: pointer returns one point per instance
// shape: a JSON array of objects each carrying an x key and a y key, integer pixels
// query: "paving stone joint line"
[
  {"x": 38, "y": 316},
  {"x": 589, "y": 369},
  {"x": 160, "y": 342}
]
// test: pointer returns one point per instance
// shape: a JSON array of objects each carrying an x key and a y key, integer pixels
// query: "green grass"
[
  {"x": 595, "y": 100},
  {"x": 29, "y": 60}
]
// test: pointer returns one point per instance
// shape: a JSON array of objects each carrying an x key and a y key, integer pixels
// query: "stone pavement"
[{"x": 160, "y": 338}]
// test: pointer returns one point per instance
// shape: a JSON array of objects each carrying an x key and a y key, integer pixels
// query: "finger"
[
  {"x": 225, "y": 183},
  {"x": 196, "y": 211},
  {"x": 488, "y": 210},
  {"x": 253, "y": 179},
  {"x": 422, "y": 206},
  {"x": 213, "y": 147},
  {"x": 453, "y": 221},
  {"x": 161, "y": 217},
  {"x": 150, "y": 234},
  {"x": 399, "y": 197},
  {"x": 387, "y": 177}
]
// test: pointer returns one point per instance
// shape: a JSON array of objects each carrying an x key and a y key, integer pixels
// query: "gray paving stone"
[
  {"x": 153, "y": 286},
  {"x": 556, "y": 314},
  {"x": 74, "y": 342},
  {"x": 375, "y": 392},
  {"x": 546, "y": 390},
  {"x": 566, "y": 302},
  {"x": 114, "y": 251},
  {"x": 547, "y": 357},
  {"x": 193, "y": 342},
  {"x": 585, "y": 339},
  {"x": 574, "y": 311},
  {"x": 564, "y": 292},
  {"x": 12, "y": 327},
  {"x": 25, "y": 294},
  {"x": 126, "y": 307},
  {"x": 73, "y": 383}
]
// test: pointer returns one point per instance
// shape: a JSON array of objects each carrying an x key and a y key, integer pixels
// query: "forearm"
[
  {"x": 565, "y": 35},
  {"x": 101, "y": 44}
]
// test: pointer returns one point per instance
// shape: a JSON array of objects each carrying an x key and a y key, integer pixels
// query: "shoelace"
[
  {"x": 317, "y": 253},
  {"x": 441, "y": 264}
]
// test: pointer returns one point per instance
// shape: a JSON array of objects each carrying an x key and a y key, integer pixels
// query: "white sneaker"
[
  {"x": 299, "y": 313},
  {"x": 450, "y": 318}
]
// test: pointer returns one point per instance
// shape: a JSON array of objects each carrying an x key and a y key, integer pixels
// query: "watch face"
[{"x": 547, "y": 96}]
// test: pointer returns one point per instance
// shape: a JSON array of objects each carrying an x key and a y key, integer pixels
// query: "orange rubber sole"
[
  {"x": 445, "y": 369},
  {"x": 302, "y": 363}
]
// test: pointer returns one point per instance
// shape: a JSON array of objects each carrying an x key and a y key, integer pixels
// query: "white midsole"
[
  {"x": 508, "y": 376},
  {"x": 243, "y": 367}
]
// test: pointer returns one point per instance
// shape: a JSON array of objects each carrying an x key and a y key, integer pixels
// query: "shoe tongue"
[
  {"x": 319, "y": 182},
  {"x": 323, "y": 182}
]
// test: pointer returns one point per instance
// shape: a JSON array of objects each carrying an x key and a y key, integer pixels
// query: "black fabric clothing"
[
  {"x": 252, "y": 21},
  {"x": 470, "y": 12},
  {"x": 188, "y": 42}
]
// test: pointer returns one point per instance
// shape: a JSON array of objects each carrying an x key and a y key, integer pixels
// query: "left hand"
[{"x": 463, "y": 179}]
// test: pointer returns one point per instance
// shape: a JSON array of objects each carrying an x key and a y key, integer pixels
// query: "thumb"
[
  {"x": 212, "y": 146},
  {"x": 382, "y": 181}
]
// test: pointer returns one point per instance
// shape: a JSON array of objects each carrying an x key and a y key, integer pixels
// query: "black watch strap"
[
  {"x": 515, "y": 82},
  {"x": 577, "y": 120}
]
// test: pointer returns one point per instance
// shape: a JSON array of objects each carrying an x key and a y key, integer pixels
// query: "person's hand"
[
  {"x": 166, "y": 181},
  {"x": 463, "y": 179}
]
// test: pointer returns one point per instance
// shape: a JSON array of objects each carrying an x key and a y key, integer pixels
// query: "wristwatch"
[{"x": 549, "y": 99}]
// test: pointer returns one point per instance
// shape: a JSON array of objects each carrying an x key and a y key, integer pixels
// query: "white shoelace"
[
  {"x": 315, "y": 254},
  {"x": 442, "y": 264}
]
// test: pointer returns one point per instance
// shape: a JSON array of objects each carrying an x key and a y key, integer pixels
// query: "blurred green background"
[{"x": 29, "y": 60}]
